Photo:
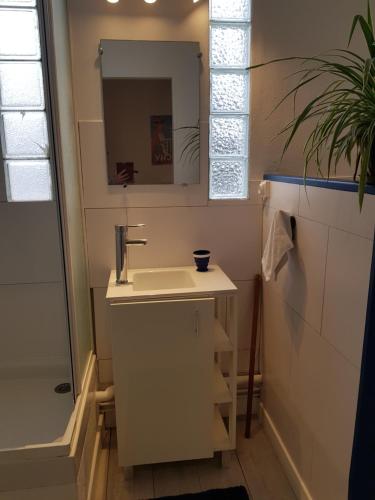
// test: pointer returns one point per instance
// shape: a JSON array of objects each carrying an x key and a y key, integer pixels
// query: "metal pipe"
[{"x": 105, "y": 396}]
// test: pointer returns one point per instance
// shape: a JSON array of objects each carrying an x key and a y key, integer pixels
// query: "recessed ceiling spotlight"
[
  {"x": 195, "y": 1},
  {"x": 150, "y": 1},
  {"x": 112, "y": 1}
]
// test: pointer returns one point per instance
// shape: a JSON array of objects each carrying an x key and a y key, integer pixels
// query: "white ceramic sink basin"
[
  {"x": 158, "y": 283},
  {"x": 162, "y": 280}
]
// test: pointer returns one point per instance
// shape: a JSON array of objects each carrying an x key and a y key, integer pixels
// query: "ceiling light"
[
  {"x": 195, "y": 1},
  {"x": 112, "y": 1},
  {"x": 150, "y": 1}
]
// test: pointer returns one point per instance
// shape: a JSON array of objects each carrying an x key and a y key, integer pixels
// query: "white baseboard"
[{"x": 290, "y": 469}]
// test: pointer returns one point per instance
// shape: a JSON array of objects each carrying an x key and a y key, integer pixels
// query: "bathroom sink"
[
  {"x": 162, "y": 280},
  {"x": 168, "y": 282}
]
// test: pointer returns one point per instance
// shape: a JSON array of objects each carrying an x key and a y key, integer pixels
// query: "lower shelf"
[
  {"x": 221, "y": 437},
  {"x": 221, "y": 339},
  {"x": 222, "y": 393}
]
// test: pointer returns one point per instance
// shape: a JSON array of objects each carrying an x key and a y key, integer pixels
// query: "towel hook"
[{"x": 293, "y": 224}]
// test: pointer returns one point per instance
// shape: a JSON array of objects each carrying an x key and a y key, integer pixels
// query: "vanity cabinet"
[
  {"x": 163, "y": 379},
  {"x": 174, "y": 365}
]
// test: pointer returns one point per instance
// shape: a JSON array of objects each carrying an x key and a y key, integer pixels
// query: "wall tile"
[
  {"x": 346, "y": 291},
  {"x": 101, "y": 249},
  {"x": 23, "y": 259},
  {"x": 324, "y": 389},
  {"x": 276, "y": 344},
  {"x": 279, "y": 326},
  {"x": 295, "y": 435},
  {"x": 328, "y": 480},
  {"x": 339, "y": 209},
  {"x": 284, "y": 197},
  {"x": 301, "y": 280},
  {"x": 102, "y": 324},
  {"x": 97, "y": 193},
  {"x": 245, "y": 312},
  {"x": 242, "y": 361},
  {"x": 315, "y": 413},
  {"x": 31, "y": 312},
  {"x": 105, "y": 371},
  {"x": 233, "y": 234}
]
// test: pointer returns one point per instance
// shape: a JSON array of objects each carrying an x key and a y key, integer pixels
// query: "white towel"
[{"x": 279, "y": 242}]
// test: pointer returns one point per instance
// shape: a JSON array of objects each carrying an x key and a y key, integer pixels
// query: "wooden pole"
[{"x": 253, "y": 345}]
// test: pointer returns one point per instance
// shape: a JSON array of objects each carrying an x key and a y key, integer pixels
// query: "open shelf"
[
  {"x": 221, "y": 339},
  {"x": 221, "y": 390},
  {"x": 221, "y": 437}
]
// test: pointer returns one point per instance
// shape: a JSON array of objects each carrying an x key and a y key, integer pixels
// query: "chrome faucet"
[{"x": 122, "y": 242}]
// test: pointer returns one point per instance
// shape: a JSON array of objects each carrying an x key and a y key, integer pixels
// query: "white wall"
[
  {"x": 284, "y": 29},
  {"x": 33, "y": 313},
  {"x": 179, "y": 219},
  {"x": 314, "y": 320},
  {"x": 314, "y": 314},
  {"x": 311, "y": 352}
]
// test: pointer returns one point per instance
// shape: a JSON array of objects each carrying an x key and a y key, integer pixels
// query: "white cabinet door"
[{"x": 163, "y": 366}]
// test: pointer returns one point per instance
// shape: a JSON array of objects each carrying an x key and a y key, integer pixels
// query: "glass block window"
[
  {"x": 229, "y": 98},
  {"x": 28, "y": 180},
  {"x": 24, "y": 133}
]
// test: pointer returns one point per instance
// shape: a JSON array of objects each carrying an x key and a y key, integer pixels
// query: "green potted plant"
[
  {"x": 191, "y": 143},
  {"x": 343, "y": 113}
]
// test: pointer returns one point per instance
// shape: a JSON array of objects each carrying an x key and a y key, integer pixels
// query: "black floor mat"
[{"x": 236, "y": 493}]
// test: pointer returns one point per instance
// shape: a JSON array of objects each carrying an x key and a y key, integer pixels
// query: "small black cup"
[{"x": 202, "y": 258}]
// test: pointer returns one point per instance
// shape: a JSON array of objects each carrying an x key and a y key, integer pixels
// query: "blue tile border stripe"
[{"x": 322, "y": 183}]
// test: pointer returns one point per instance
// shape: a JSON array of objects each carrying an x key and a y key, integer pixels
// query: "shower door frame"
[
  {"x": 45, "y": 10},
  {"x": 55, "y": 162}
]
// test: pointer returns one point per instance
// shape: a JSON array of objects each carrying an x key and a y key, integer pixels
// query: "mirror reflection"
[
  {"x": 151, "y": 111},
  {"x": 140, "y": 141}
]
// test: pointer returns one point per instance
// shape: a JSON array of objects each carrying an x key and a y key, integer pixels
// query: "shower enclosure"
[{"x": 45, "y": 321}]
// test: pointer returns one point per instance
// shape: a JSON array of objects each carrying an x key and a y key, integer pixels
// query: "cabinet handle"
[{"x": 197, "y": 323}]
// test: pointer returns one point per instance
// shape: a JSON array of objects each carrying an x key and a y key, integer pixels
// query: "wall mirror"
[{"x": 151, "y": 111}]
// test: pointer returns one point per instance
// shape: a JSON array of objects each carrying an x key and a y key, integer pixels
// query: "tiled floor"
[{"x": 253, "y": 465}]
